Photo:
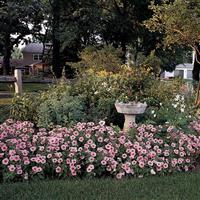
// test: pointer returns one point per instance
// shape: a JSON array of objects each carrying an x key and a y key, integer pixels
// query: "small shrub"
[
  {"x": 63, "y": 111},
  {"x": 24, "y": 107},
  {"x": 178, "y": 112}
]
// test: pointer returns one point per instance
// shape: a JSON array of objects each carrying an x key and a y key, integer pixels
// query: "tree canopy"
[
  {"x": 73, "y": 25},
  {"x": 178, "y": 21}
]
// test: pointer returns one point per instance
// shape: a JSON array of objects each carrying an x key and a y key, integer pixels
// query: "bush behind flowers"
[{"x": 93, "y": 150}]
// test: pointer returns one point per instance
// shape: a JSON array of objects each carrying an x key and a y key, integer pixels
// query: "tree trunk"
[
  {"x": 196, "y": 69},
  {"x": 195, "y": 74},
  {"x": 123, "y": 46},
  {"x": 7, "y": 55},
  {"x": 56, "y": 60}
]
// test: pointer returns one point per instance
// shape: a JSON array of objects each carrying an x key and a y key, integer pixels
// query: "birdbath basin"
[{"x": 130, "y": 110}]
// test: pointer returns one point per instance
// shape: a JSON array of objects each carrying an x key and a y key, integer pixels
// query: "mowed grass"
[
  {"x": 177, "y": 187},
  {"x": 27, "y": 87}
]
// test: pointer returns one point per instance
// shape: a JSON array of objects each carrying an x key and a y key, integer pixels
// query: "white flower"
[
  {"x": 154, "y": 115},
  {"x": 182, "y": 106},
  {"x": 96, "y": 92},
  {"x": 104, "y": 84},
  {"x": 153, "y": 111},
  {"x": 182, "y": 110},
  {"x": 26, "y": 176},
  {"x": 174, "y": 105},
  {"x": 177, "y": 98},
  {"x": 108, "y": 89},
  {"x": 153, "y": 172}
]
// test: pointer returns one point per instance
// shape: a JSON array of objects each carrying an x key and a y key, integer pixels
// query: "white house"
[{"x": 182, "y": 70}]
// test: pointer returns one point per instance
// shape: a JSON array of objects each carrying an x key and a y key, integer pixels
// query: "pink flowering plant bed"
[{"x": 94, "y": 150}]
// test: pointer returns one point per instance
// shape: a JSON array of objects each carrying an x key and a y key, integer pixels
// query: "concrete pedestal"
[
  {"x": 130, "y": 110},
  {"x": 129, "y": 119}
]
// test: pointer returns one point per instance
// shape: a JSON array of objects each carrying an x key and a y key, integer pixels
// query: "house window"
[
  {"x": 179, "y": 73},
  {"x": 189, "y": 74},
  {"x": 37, "y": 57}
]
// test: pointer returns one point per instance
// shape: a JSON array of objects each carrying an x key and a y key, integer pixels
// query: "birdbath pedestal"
[{"x": 130, "y": 110}]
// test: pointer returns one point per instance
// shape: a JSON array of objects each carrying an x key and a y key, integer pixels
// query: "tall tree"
[
  {"x": 122, "y": 25},
  {"x": 56, "y": 16}
]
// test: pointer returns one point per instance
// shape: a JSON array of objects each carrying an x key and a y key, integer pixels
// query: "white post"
[
  {"x": 18, "y": 82},
  {"x": 185, "y": 74}
]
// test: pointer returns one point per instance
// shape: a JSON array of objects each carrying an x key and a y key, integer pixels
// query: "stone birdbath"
[{"x": 130, "y": 110}]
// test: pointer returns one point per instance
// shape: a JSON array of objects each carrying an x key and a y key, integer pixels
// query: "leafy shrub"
[
  {"x": 178, "y": 112},
  {"x": 98, "y": 59},
  {"x": 96, "y": 150},
  {"x": 100, "y": 90},
  {"x": 63, "y": 111},
  {"x": 4, "y": 112},
  {"x": 158, "y": 91},
  {"x": 92, "y": 96},
  {"x": 99, "y": 94},
  {"x": 24, "y": 107}
]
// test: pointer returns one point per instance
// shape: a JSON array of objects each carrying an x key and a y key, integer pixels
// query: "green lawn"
[
  {"x": 27, "y": 87},
  {"x": 182, "y": 186}
]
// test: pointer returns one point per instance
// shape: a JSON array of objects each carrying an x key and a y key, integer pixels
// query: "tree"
[
  {"x": 16, "y": 54},
  {"x": 179, "y": 21},
  {"x": 122, "y": 25},
  {"x": 17, "y": 20},
  {"x": 103, "y": 59},
  {"x": 56, "y": 19}
]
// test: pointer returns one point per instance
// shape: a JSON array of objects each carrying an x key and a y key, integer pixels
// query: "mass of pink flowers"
[{"x": 97, "y": 150}]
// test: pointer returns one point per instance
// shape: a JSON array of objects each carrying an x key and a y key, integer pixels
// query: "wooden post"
[{"x": 18, "y": 82}]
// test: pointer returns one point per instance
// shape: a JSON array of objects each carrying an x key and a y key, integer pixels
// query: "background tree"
[
  {"x": 122, "y": 26},
  {"x": 17, "y": 20},
  {"x": 17, "y": 53},
  {"x": 179, "y": 21}
]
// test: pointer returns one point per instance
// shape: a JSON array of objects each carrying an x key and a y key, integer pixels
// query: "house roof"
[
  {"x": 33, "y": 48},
  {"x": 185, "y": 66}
]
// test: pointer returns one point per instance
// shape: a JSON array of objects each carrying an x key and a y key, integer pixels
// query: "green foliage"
[
  {"x": 178, "y": 20},
  {"x": 99, "y": 92},
  {"x": 178, "y": 111},
  {"x": 49, "y": 108},
  {"x": 63, "y": 111},
  {"x": 158, "y": 91},
  {"x": 16, "y": 54},
  {"x": 24, "y": 107},
  {"x": 106, "y": 58},
  {"x": 4, "y": 112},
  {"x": 154, "y": 62}
]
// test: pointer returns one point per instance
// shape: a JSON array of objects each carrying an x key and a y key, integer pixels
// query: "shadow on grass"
[{"x": 181, "y": 186}]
